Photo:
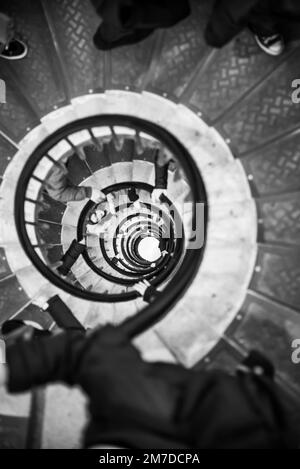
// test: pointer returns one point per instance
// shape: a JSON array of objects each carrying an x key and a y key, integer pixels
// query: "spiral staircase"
[{"x": 229, "y": 271}]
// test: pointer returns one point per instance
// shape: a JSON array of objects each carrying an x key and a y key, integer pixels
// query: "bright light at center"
[{"x": 149, "y": 249}]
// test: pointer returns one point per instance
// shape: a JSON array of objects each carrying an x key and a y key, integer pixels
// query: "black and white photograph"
[{"x": 149, "y": 228}]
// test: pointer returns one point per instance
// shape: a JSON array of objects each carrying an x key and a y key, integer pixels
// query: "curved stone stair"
[{"x": 232, "y": 110}]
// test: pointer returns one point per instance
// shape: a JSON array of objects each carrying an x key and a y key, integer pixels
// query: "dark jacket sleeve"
[
  {"x": 228, "y": 18},
  {"x": 47, "y": 360}
]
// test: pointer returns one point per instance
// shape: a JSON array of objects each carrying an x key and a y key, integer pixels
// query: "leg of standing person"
[{"x": 10, "y": 47}]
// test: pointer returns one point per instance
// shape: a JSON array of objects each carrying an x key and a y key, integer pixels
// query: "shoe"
[
  {"x": 272, "y": 45},
  {"x": 15, "y": 50}
]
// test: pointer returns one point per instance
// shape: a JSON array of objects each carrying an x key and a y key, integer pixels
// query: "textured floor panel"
[
  {"x": 267, "y": 112},
  {"x": 279, "y": 275}
]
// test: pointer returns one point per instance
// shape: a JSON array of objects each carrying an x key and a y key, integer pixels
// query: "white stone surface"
[{"x": 64, "y": 419}]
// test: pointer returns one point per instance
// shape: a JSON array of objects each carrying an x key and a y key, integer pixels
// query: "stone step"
[
  {"x": 143, "y": 171},
  {"x": 213, "y": 300},
  {"x": 65, "y": 417}
]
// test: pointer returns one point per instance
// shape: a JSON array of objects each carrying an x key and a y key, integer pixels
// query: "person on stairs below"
[
  {"x": 162, "y": 162},
  {"x": 138, "y": 404},
  {"x": 11, "y": 48},
  {"x": 268, "y": 20},
  {"x": 125, "y": 22},
  {"x": 61, "y": 188}
]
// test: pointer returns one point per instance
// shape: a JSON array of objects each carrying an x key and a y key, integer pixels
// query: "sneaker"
[
  {"x": 272, "y": 45},
  {"x": 15, "y": 50}
]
